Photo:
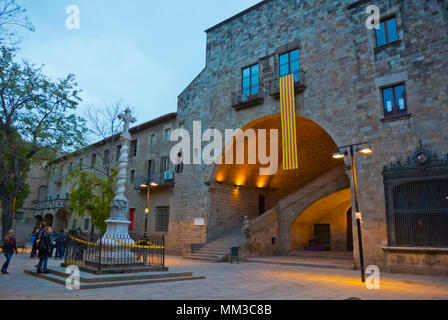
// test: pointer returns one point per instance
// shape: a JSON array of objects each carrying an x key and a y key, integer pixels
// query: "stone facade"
[{"x": 338, "y": 102}]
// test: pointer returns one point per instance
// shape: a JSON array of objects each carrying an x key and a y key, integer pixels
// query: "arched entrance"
[
  {"x": 241, "y": 190},
  {"x": 61, "y": 220},
  {"x": 37, "y": 222},
  {"x": 323, "y": 225},
  {"x": 49, "y": 219}
]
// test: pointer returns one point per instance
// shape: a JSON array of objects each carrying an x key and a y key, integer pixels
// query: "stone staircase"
[{"x": 218, "y": 250}]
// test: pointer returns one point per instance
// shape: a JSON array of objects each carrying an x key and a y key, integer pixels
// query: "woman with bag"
[{"x": 9, "y": 247}]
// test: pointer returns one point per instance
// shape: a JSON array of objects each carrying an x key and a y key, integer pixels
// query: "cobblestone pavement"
[{"x": 231, "y": 281}]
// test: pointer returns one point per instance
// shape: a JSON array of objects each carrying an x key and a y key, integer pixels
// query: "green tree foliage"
[
  {"x": 37, "y": 119},
  {"x": 92, "y": 195}
]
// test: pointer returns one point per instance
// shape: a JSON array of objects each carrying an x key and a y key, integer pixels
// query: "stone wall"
[{"x": 344, "y": 74}]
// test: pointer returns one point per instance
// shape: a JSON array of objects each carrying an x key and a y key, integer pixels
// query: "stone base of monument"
[{"x": 109, "y": 278}]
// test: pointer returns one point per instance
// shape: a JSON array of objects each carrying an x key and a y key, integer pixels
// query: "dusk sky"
[{"x": 144, "y": 52}]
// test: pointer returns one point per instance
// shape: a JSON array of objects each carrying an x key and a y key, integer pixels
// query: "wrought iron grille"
[
  {"x": 100, "y": 251},
  {"x": 417, "y": 203}
]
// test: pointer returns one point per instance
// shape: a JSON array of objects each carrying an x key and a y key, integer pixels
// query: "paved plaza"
[{"x": 231, "y": 281}]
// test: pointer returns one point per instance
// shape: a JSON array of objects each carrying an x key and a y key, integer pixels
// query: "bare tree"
[
  {"x": 103, "y": 121},
  {"x": 12, "y": 17}
]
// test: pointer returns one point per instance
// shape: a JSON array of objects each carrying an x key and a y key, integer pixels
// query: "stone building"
[{"x": 387, "y": 87}]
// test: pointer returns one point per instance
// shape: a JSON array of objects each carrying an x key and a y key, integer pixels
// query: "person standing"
[
  {"x": 61, "y": 240},
  {"x": 52, "y": 242},
  {"x": 9, "y": 247},
  {"x": 44, "y": 250},
  {"x": 34, "y": 244}
]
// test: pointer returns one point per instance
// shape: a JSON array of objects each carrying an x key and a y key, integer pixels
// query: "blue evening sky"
[{"x": 144, "y": 52}]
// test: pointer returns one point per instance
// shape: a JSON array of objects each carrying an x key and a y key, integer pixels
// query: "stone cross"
[{"x": 127, "y": 119}]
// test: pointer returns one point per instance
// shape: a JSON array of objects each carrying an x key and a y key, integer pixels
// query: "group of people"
[
  {"x": 44, "y": 241},
  {"x": 58, "y": 241}
]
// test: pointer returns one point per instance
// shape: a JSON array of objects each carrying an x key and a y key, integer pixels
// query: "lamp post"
[
  {"x": 147, "y": 185},
  {"x": 340, "y": 155}
]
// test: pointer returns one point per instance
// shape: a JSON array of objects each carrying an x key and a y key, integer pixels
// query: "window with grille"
[
  {"x": 162, "y": 219},
  {"x": 418, "y": 212}
]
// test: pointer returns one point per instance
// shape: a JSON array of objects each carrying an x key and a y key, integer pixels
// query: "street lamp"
[
  {"x": 147, "y": 185},
  {"x": 339, "y": 155}
]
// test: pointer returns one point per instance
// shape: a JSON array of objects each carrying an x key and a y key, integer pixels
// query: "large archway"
[{"x": 240, "y": 190}]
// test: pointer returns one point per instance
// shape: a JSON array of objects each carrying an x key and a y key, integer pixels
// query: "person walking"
[
  {"x": 9, "y": 247},
  {"x": 44, "y": 250},
  {"x": 34, "y": 244}
]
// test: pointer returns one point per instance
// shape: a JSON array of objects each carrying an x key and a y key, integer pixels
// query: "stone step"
[
  {"x": 221, "y": 245},
  {"x": 191, "y": 257},
  {"x": 106, "y": 284},
  {"x": 213, "y": 251},
  {"x": 91, "y": 278},
  {"x": 211, "y": 256}
]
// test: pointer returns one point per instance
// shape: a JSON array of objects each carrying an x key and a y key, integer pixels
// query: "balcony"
[
  {"x": 158, "y": 178},
  {"x": 299, "y": 86},
  {"x": 241, "y": 100},
  {"x": 52, "y": 204}
]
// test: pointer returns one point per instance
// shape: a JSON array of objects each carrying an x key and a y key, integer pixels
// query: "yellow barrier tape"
[
  {"x": 82, "y": 241},
  {"x": 75, "y": 262},
  {"x": 151, "y": 246}
]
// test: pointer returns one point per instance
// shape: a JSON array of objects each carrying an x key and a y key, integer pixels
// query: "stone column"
[{"x": 118, "y": 224}]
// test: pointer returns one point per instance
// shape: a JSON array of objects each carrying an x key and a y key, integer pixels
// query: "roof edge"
[{"x": 240, "y": 14}]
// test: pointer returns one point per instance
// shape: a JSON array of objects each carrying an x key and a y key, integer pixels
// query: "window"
[
  {"x": 150, "y": 169},
  {"x": 418, "y": 210},
  {"x": 387, "y": 32},
  {"x": 133, "y": 148},
  {"x": 251, "y": 80},
  {"x": 131, "y": 180},
  {"x": 70, "y": 167},
  {"x": 394, "y": 100},
  {"x": 117, "y": 155},
  {"x": 164, "y": 164},
  {"x": 162, "y": 219},
  {"x": 80, "y": 164},
  {"x": 86, "y": 224},
  {"x": 180, "y": 165},
  {"x": 167, "y": 134},
  {"x": 93, "y": 161},
  {"x": 289, "y": 63},
  {"x": 106, "y": 156},
  {"x": 152, "y": 140}
]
